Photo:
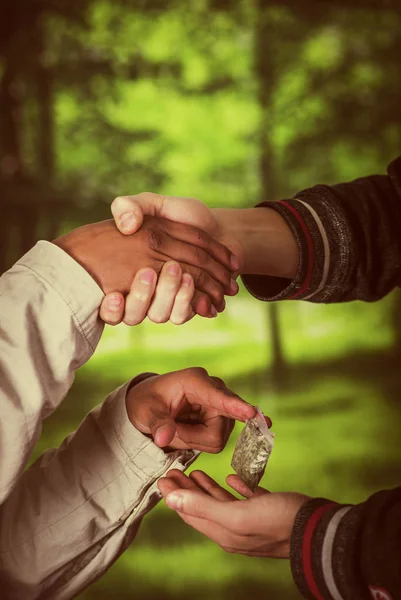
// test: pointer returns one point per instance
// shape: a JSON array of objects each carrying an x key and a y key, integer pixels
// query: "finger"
[
  {"x": 219, "y": 382},
  {"x": 182, "y": 481},
  {"x": 202, "y": 305},
  {"x": 205, "y": 283},
  {"x": 112, "y": 308},
  {"x": 198, "y": 238},
  {"x": 201, "y": 389},
  {"x": 140, "y": 296},
  {"x": 150, "y": 414},
  {"x": 182, "y": 309},
  {"x": 162, "y": 242},
  {"x": 167, "y": 485},
  {"x": 239, "y": 486},
  {"x": 202, "y": 506},
  {"x": 211, "y": 487},
  {"x": 218, "y": 534},
  {"x": 211, "y": 438},
  {"x": 166, "y": 290},
  {"x": 197, "y": 257}
]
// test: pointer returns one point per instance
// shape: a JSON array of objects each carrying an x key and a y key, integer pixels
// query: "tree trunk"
[
  {"x": 11, "y": 167},
  {"x": 265, "y": 74}
]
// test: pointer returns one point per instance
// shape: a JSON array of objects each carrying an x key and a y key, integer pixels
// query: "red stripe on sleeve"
[
  {"x": 309, "y": 242},
  {"x": 307, "y": 548}
]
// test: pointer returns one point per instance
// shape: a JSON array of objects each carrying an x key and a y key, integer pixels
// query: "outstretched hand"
[{"x": 261, "y": 525}]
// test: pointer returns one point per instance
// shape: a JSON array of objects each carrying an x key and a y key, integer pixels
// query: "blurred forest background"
[{"x": 230, "y": 101}]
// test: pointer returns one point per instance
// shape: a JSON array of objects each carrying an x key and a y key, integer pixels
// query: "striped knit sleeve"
[
  {"x": 344, "y": 552},
  {"x": 348, "y": 241}
]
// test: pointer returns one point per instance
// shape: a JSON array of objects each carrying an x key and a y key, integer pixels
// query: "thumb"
[
  {"x": 152, "y": 415},
  {"x": 162, "y": 428},
  {"x": 128, "y": 213},
  {"x": 202, "y": 506}
]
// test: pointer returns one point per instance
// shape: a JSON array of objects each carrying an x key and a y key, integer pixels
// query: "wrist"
[{"x": 262, "y": 240}]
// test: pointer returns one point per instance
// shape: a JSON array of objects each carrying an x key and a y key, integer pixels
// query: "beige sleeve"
[
  {"x": 77, "y": 508},
  {"x": 49, "y": 327}
]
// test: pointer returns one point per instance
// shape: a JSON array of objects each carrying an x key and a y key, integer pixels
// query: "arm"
[
  {"x": 48, "y": 329},
  {"x": 346, "y": 552},
  {"x": 78, "y": 507},
  {"x": 348, "y": 242},
  {"x": 328, "y": 244}
]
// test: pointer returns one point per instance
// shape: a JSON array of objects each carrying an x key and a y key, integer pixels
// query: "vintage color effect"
[{"x": 230, "y": 101}]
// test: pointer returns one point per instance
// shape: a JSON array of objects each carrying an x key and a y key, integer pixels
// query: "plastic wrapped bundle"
[{"x": 252, "y": 451}]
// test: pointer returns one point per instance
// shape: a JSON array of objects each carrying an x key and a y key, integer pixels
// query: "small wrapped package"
[{"x": 252, "y": 450}]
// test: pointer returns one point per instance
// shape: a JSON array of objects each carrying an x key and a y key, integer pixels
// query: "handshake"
[{"x": 182, "y": 259}]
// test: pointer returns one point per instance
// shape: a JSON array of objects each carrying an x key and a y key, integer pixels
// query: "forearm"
[
  {"x": 337, "y": 243},
  {"x": 48, "y": 328},
  {"x": 266, "y": 243},
  {"x": 347, "y": 552},
  {"x": 77, "y": 508}
]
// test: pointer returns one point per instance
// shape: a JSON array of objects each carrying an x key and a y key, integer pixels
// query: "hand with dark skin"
[
  {"x": 186, "y": 409},
  {"x": 260, "y": 239},
  {"x": 113, "y": 259},
  {"x": 260, "y": 525}
]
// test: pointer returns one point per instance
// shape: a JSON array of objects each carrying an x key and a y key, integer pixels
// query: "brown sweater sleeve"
[
  {"x": 342, "y": 552},
  {"x": 349, "y": 240}
]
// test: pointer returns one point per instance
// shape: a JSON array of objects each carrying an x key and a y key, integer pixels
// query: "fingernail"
[
  {"x": 234, "y": 287},
  {"x": 234, "y": 262},
  {"x": 173, "y": 269},
  {"x": 214, "y": 312},
  {"x": 186, "y": 279},
  {"x": 114, "y": 302},
  {"x": 158, "y": 435},
  {"x": 147, "y": 277},
  {"x": 127, "y": 221},
  {"x": 174, "y": 500}
]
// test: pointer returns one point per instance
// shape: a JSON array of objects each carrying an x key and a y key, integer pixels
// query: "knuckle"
[
  {"x": 156, "y": 239},
  {"x": 199, "y": 255},
  {"x": 224, "y": 275},
  {"x": 218, "y": 381},
  {"x": 199, "y": 371},
  {"x": 200, "y": 278},
  {"x": 140, "y": 296},
  {"x": 199, "y": 234}
]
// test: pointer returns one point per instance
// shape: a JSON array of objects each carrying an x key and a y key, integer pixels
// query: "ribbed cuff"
[
  {"x": 306, "y": 548},
  {"x": 310, "y": 243},
  {"x": 322, "y": 560}
]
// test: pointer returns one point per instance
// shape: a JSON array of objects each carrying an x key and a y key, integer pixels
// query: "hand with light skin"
[
  {"x": 260, "y": 525},
  {"x": 201, "y": 268},
  {"x": 259, "y": 238},
  {"x": 186, "y": 409}
]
